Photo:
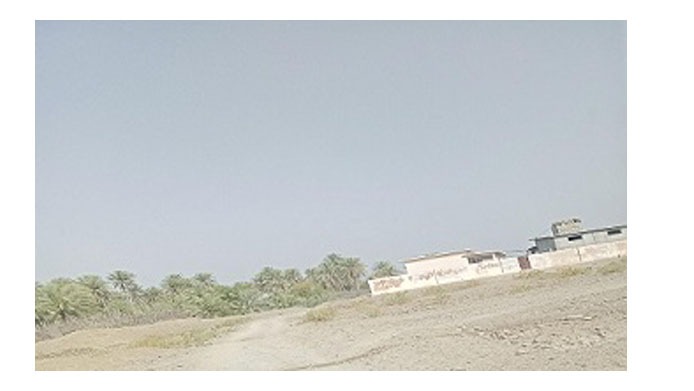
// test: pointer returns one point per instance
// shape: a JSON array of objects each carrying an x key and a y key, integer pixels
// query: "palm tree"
[
  {"x": 276, "y": 286},
  {"x": 175, "y": 284},
  {"x": 338, "y": 273},
  {"x": 335, "y": 272},
  {"x": 122, "y": 280},
  {"x": 355, "y": 271},
  {"x": 98, "y": 287},
  {"x": 125, "y": 283},
  {"x": 242, "y": 297},
  {"x": 41, "y": 313},
  {"x": 204, "y": 279},
  {"x": 292, "y": 277},
  {"x": 151, "y": 295},
  {"x": 384, "y": 269},
  {"x": 269, "y": 280},
  {"x": 325, "y": 274},
  {"x": 308, "y": 293},
  {"x": 61, "y": 299}
]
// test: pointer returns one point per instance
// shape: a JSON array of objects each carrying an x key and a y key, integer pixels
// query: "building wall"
[
  {"x": 553, "y": 258},
  {"x": 396, "y": 284},
  {"x": 451, "y": 269},
  {"x": 586, "y": 239},
  {"x": 616, "y": 249},
  {"x": 545, "y": 244},
  {"x": 567, "y": 242},
  {"x": 488, "y": 268},
  {"x": 453, "y": 261},
  {"x": 575, "y": 255},
  {"x": 604, "y": 236},
  {"x": 566, "y": 227},
  {"x": 510, "y": 265},
  {"x": 442, "y": 274}
]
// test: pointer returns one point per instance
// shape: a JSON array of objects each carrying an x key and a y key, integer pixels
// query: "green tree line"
[{"x": 120, "y": 296}]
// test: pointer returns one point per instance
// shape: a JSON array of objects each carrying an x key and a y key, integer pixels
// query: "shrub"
[
  {"x": 397, "y": 298},
  {"x": 320, "y": 314},
  {"x": 438, "y": 293},
  {"x": 188, "y": 338},
  {"x": 367, "y": 307},
  {"x": 180, "y": 340},
  {"x": 613, "y": 267},
  {"x": 63, "y": 299},
  {"x": 309, "y": 293},
  {"x": 571, "y": 271},
  {"x": 520, "y": 288},
  {"x": 372, "y": 311},
  {"x": 529, "y": 274}
]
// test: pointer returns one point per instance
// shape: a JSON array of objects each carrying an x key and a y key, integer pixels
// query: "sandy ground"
[{"x": 563, "y": 319}]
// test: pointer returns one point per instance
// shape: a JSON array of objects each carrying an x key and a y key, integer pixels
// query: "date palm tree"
[
  {"x": 98, "y": 287},
  {"x": 269, "y": 280},
  {"x": 242, "y": 297},
  {"x": 204, "y": 279},
  {"x": 354, "y": 272},
  {"x": 326, "y": 274},
  {"x": 124, "y": 282},
  {"x": 61, "y": 299},
  {"x": 175, "y": 284},
  {"x": 151, "y": 295},
  {"x": 291, "y": 277},
  {"x": 384, "y": 269},
  {"x": 338, "y": 273}
]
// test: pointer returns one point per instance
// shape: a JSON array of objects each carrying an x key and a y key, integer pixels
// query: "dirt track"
[{"x": 564, "y": 319}]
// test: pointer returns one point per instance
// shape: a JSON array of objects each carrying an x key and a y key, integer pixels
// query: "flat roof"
[
  {"x": 449, "y": 253},
  {"x": 585, "y": 231}
]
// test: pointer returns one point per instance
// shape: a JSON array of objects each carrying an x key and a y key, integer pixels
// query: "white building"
[
  {"x": 577, "y": 237},
  {"x": 455, "y": 260},
  {"x": 444, "y": 268}
]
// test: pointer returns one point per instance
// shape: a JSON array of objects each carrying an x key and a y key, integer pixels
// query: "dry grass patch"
[
  {"x": 365, "y": 306},
  {"x": 552, "y": 273},
  {"x": 617, "y": 266},
  {"x": 439, "y": 294},
  {"x": 371, "y": 311},
  {"x": 529, "y": 275},
  {"x": 68, "y": 353},
  {"x": 433, "y": 290},
  {"x": 398, "y": 298},
  {"x": 570, "y": 271},
  {"x": 322, "y": 314},
  {"x": 459, "y": 285},
  {"x": 471, "y": 283},
  {"x": 188, "y": 338},
  {"x": 522, "y": 288},
  {"x": 177, "y": 340}
]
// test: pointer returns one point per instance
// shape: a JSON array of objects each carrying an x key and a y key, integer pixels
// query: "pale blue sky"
[{"x": 183, "y": 147}]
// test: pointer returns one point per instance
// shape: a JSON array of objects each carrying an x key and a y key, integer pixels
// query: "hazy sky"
[{"x": 223, "y": 147}]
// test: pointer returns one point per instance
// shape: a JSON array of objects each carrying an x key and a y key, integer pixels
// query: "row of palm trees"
[{"x": 119, "y": 295}]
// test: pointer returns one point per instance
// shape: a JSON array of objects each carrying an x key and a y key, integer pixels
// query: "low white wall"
[
  {"x": 444, "y": 276},
  {"x": 603, "y": 251},
  {"x": 453, "y": 261},
  {"x": 483, "y": 269},
  {"x": 510, "y": 265},
  {"x": 554, "y": 258},
  {"x": 456, "y": 272},
  {"x": 577, "y": 255},
  {"x": 399, "y": 283}
]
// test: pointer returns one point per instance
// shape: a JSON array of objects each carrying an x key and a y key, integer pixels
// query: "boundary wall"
[
  {"x": 490, "y": 268},
  {"x": 443, "y": 276},
  {"x": 582, "y": 254}
]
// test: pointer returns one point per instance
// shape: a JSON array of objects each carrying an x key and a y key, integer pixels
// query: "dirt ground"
[{"x": 563, "y": 319}]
